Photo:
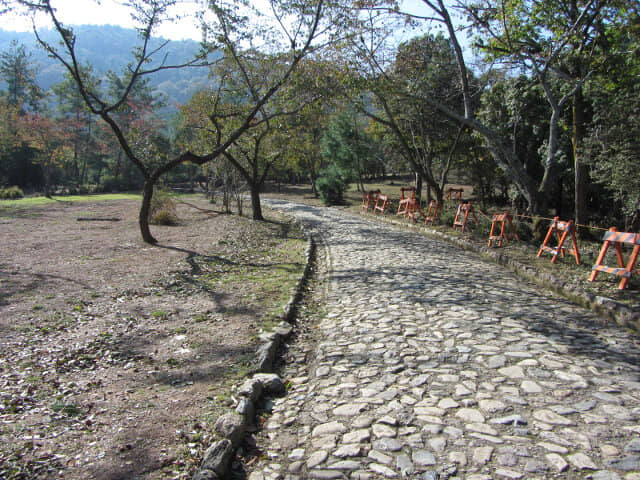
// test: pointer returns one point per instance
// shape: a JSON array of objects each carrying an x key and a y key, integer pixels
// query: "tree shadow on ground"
[{"x": 20, "y": 282}]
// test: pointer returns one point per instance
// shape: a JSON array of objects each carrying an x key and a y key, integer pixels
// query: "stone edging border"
[
  {"x": 621, "y": 313},
  {"x": 232, "y": 426}
]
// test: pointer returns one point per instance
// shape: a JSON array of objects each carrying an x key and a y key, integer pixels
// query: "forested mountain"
[{"x": 107, "y": 48}]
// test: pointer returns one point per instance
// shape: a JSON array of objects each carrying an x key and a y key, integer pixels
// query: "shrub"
[
  {"x": 110, "y": 184},
  {"x": 540, "y": 229},
  {"x": 165, "y": 217},
  {"x": 11, "y": 193},
  {"x": 331, "y": 188},
  {"x": 448, "y": 214},
  {"x": 525, "y": 232},
  {"x": 163, "y": 208}
]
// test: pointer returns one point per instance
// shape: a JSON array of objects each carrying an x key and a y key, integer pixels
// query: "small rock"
[
  {"x": 328, "y": 429},
  {"x": 217, "y": 457},
  {"x": 231, "y": 426},
  {"x": 557, "y": 462},
  {"x": 424, "y": 458},
  {"x": 316, "y": 458},
  {"x": 470, "y": 415},
  {"x": 482, "y": 455},
  {"x": 581, "y": 461},
  {"x": 405, "y": 465},
  {"x": 271, "y": 383}
]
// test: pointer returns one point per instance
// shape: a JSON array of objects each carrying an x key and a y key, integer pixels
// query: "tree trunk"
[
  {"x": 559, "y": 197},
  {"x": 580, "y": 169},
  {"x": 118, "y": 162},
  {"x": 143, "y": 218},
  {"x": 47, "y": 180},
  {"x": 256, "y": 208},
  {"x": 418, "y": 186}
]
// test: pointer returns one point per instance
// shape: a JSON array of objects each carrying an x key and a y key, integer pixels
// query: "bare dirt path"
[{"x": 115, "y": 355}]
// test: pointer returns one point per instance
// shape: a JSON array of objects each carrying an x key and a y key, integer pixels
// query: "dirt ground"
[{"x": 116, "y": 356}]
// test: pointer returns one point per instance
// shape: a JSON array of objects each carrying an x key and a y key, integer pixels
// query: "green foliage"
[
  {"x": 11, "y": 193},
  {"x": 346, "y": 146},
  {"x": 69, "y": 409},
  {"x": 524, "y": 229},
  {"x": 163, "y": 208},
  {"x": 615, "y": 150},
  {"x": 331, "y": 187},
  {"x": 18, "y": 72}
]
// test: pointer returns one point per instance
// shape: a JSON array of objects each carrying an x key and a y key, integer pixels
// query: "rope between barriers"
[{"x": 545, "y": 218}]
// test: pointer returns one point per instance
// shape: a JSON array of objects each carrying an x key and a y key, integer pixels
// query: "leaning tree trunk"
[
  {"x": 256, "y": 208},
  {"x": 145, "y": 207}
]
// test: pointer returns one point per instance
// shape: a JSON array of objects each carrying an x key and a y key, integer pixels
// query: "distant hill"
[{"x": 108, "y": 48}]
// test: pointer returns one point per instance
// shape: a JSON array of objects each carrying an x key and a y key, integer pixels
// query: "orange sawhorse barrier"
[
  {"x": 457, "y": 192},
  {"x": 368, "y": 200},
  {"x": 617, "y": 238},
  {"x": 504, "y": 236},
  {"x": 567, "y": 228},
  {"x": 462, "y": 215},
  {"x": 432, "y": 213},
  {"x": 381, "y": 204},
  {"x": 403, "y": 205},
  {"x": 413, "y": 209}
]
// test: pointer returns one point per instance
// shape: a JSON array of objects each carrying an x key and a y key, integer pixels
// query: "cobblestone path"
[{"x": 432, "y": 363}]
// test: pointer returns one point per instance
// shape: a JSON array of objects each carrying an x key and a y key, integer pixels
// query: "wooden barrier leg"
[
  {"x": 561, "y": 239},
  {"x": 600, "y": 259},
  {"x": 493, "y": 224},
  {"x": 619, "y": 257},
  {"x": 576, "y": 252},
  {"x": 503, "y": 237},
  {"x": 546, "y": 240},
  {"x": 560, "y": 249},
  {"x": 630, "y": 265}
]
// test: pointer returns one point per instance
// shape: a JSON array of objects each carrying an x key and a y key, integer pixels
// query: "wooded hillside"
[{"x": 106, "y": 47}]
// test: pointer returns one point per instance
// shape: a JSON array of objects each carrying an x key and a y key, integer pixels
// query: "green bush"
[
  {"x": 448, "y": 214},
  {"x": 331, "y": 188},
  {"x": 163, "y": 208},
  {"x": 11, "y": 193},
  {"x": 525, "y": 232},
  {"x": 165, "y": 217},
  {"x": 110, "y": 184}
]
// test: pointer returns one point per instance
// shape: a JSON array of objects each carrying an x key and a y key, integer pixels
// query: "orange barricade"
[
  {"x": 381, "y": 204},
  {"x": 462, "y": 215},
  {"x": 368, "y": 200},
  {"x": 504, "y": 236},
  {"x": 413, "y": 209},
  {"x": 617, "y": 238},
  {"x": 403, "y": 205},
  {"x": 457, "y": 192},
  {"x": 432, "y": 213},
  {"x": 567, "y": 228}
]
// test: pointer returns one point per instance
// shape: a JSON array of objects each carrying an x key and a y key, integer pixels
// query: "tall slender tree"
[{"x": 18, "y": 71}]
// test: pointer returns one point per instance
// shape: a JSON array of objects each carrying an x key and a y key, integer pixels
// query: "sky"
[
  {"x": 113, "y": 12},
  {"x": 108, "y": 12}
]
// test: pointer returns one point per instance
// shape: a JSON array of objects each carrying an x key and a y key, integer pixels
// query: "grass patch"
[
  {"x": 68, "y": 409},
  {"x": 160, "y": 314},
  {"x": 38, "y": 201}
]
